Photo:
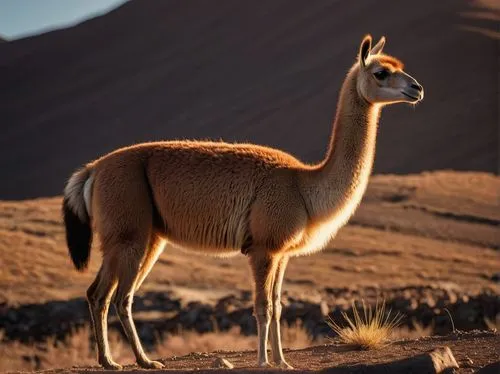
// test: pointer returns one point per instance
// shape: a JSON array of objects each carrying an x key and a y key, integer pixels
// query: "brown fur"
[
  {"x": 219, "y": 199},
  {"x": 392, "y": 62}
]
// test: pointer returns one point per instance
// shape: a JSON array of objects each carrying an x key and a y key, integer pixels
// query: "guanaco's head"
[{"x": 381, "y": 78}]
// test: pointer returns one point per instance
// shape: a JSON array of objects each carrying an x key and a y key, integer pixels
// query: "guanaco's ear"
[
  {"x": 379, "y": 46},
  {"x": 364, "y": 49}
]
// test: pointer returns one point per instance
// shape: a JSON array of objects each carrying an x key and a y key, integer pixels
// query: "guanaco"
[{"x": 221, "y": 199}]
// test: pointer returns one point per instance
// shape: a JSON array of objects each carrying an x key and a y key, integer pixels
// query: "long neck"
[{"x": 339, "y": 181}]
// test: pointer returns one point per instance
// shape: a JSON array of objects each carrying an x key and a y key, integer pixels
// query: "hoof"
[
  {"x": 110, "y": 365},
  {"x": 151, "y": 365},
  {"x": 265, "y": 364},
  {"x": 284, "y": 365}
]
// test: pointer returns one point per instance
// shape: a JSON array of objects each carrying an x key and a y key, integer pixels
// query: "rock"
[
  {"x": 443, "y": 359},
  {"x": 496, "y": 277},
  {"x": 467, "y": 362},
  {"x": 401, "y": 302},
  {"x": 440, "y": 360},
  {"x": 452, "y": 297},
  {"x": 58, "y": 319},
  {"x": 493, "y": 368},
  {"x": 222, "y": 363},
  {"x": 325, "y": 309}
]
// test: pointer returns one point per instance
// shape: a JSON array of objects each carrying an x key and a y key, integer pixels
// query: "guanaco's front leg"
[
  {"x": 263, "y": 268},
  {"x": 275, "y": 334}
]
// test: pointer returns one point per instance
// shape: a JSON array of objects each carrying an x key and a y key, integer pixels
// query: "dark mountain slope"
[{"x": 264, "y": 72}]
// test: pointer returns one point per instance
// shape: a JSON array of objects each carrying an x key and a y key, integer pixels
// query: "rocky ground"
[{"x": 158, "y": 313}]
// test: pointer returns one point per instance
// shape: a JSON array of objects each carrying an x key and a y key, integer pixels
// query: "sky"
[{"x": 20, "y": 18}]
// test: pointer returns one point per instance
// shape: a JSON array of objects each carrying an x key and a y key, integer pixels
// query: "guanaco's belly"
[
  {"x": 206, "y": 226},
  {"x": 207, "y": 249}
]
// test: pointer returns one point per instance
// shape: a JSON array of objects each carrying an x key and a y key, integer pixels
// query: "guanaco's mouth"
[{"x": 410, "y": 96}]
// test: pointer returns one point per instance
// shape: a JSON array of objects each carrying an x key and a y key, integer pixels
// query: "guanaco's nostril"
[{"x": 416, "y": 86}]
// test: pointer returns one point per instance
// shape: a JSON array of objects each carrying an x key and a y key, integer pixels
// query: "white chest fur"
[{"x": 317, "y": 235}]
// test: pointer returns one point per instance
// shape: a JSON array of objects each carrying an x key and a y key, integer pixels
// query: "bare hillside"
[{"x": 423, "y": 242}]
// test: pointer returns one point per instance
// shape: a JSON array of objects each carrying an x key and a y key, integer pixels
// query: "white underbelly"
[{"x": 206, "y": 251}]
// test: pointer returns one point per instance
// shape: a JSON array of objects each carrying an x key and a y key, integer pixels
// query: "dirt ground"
[{"x": 472, "y": 351}]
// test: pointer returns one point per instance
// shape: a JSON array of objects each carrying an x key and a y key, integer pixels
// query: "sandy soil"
[{"x": 267, "y": 74}]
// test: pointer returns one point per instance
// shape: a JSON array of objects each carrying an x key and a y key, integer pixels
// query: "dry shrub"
[{"x": 370, "y": 330}]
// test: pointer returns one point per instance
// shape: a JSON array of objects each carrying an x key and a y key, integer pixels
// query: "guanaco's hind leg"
[
  {"x": 128, "y": 270},
  {"x": 99, "y": 296},
  {"x": 156, "y": 246},
  {"x": 263, "y": 268},
  {"x": 275, "y": 334}
]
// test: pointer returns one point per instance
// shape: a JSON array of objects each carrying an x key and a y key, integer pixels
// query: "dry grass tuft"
[{"x": 370, "y": 330}]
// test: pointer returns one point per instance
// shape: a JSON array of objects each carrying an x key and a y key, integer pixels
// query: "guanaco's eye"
[{"x": 381, "y": 74}]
